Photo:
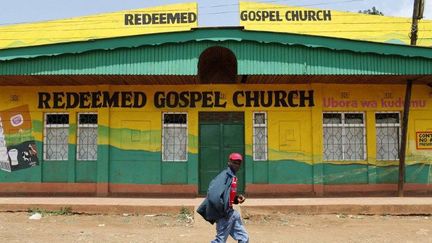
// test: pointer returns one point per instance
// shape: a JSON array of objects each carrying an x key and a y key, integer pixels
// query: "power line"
[
  {"x": 60, "y": 22},
  {"x": 298, "y": 32},
  {"x": 299, "y": 6},
  {"x": 297, "y": 23}
]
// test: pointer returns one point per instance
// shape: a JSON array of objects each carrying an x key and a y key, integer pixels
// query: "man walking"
[{"x": 218, "y": 205}]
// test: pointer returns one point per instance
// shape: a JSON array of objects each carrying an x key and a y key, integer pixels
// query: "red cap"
[{"x": 235, "y": 156}]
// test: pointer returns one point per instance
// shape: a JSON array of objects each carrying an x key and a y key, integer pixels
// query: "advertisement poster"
[
  {"x": 17, "y": 145},
  {"x": 424, "y": 140}
]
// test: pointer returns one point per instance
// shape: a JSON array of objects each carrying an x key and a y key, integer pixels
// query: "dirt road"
[{"x": 268, "y": 227}]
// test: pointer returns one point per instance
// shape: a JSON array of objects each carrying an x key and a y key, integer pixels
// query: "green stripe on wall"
[
  {"x": 289, "y": 172},
  {"x": 419, "y": 174},
  {"x": 145, "y": 167},
  {"x": 345, "y": 174}
]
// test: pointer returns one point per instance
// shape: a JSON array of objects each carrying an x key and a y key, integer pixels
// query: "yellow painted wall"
[
  {"x": 107, "y": 25},
  {"x": 350, "y": 25},
  {"x": 295, "y": 133}
]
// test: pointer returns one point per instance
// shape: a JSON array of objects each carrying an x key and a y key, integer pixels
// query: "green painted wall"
[
  {"x": 296, "y": 157},
  {"x": 345, "y": 174},
  {"x": 290, "y": 172},
  {"x": 28, "y": 175},
  {"x": 86, "y": 171},
  {"x": 141, "y": 167}
]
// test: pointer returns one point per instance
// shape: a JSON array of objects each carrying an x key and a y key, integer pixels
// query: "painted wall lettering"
[
  {"x": 70, "y": 100},
  {"x": 172, "y": 99},
  {"x": 160, "y": 18},
  {"x": 279, "y": 98},
  {"x": 330, "y": 102},
  {"x": 289, "y": 16}
]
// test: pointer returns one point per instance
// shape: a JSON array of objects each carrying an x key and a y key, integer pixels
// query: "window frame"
[
  {"x": 55, "y": 126},
  {"x": 79, "y": 125},
  {"x": 343, "y": 125},
  {"x": 265, "y": 125},
  {"x": 389, "y": 125},
  {"x": 180, "y": 125}
]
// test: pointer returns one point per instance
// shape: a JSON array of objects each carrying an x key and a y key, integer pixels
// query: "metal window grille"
[
  {"x": 56, "y": 136},
  {"x": 387, "y": 135},
  {"x": 174, "y": 136},
  {"x": 260, "y": 136},
  {"x": 344, "y": 136},
  {"x": 87, "y": 136}
]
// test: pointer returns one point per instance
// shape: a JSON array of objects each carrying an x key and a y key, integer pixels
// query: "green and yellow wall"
[{"x": 129, "y": 157}]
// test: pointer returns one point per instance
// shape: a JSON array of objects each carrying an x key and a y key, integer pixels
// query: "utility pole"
[
  {"x": 404, "y": 137},
  {"x": 417, "y": 14}
]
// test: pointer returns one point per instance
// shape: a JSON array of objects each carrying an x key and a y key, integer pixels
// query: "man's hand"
[{"x": 241, "y": 198}]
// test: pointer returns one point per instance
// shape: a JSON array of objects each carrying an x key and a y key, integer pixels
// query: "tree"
[{"x": 373, "y": 11}]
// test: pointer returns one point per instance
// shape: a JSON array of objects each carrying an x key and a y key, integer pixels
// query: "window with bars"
[
  {"x": 56, "y": 136},
  {"x": 260, "y": 136},
  {"x": 174, "y": 137},
  {"x": 387, "y": 135},
  {"x": 87, "y": 136},
  {"x": 344, "y": 136}
]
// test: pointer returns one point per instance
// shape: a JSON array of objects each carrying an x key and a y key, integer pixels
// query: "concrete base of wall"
[
  {"x": 47, "y": 189},
  {"x": 340, "y": 209},
  {"x": 175, "y": 190},
  {"x": 100, "y": 190},
  {"x": 153, "y": 190},
  {"x": 299, "y": 190}
]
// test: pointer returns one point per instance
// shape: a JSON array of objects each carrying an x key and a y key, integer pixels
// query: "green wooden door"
[{"x": 220, "y": 133}]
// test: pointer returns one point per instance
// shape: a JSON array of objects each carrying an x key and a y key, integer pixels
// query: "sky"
[{"x": 210, "y": 13}]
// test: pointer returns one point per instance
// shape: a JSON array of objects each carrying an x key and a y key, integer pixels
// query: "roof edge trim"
[{"x": 217, "y": 35}]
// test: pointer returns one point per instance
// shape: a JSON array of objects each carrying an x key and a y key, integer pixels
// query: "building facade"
[{"x": 159, "y": 114}]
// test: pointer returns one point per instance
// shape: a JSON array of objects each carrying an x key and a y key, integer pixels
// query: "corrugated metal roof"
[
  {"x": 253, "y": 59},
  {"x": 217, "y": 35},
  {"x": 257, "y": 53}
]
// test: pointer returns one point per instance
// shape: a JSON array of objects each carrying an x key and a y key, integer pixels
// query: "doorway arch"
[{"x": 217, "y": 65}]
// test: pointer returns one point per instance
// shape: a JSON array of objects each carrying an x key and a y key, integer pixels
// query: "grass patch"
[
  {"x": 61, "y": 211},
  {"x": 185, "y": 215}
]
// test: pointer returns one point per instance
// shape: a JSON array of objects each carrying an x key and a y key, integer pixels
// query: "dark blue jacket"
[{"x": 216, "y": 204}]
